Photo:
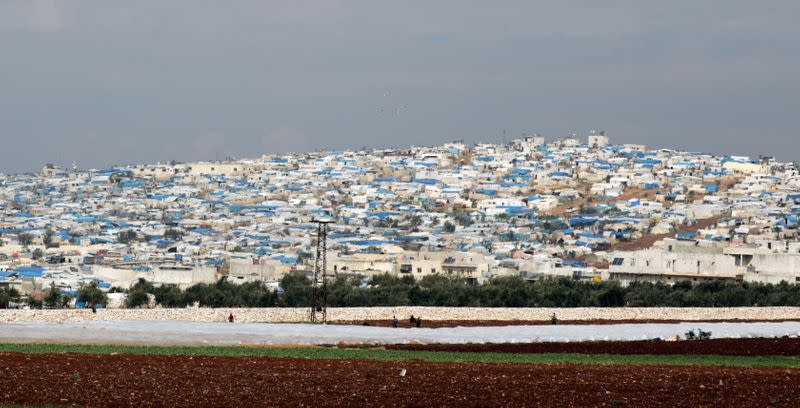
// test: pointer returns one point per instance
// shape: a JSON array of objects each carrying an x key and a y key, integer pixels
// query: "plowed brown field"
[
  {"x": 723, "y": 347},
  {"x": 145, "y": 381}
]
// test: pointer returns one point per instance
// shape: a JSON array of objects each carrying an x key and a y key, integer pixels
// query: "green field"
[{"x": 432, "y": 356}]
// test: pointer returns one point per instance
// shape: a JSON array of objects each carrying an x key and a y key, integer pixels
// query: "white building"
[
  {"x": 529, "y": 143},
  {"x": 598, "y": 140},
  {"x": 679, "y": 260}
]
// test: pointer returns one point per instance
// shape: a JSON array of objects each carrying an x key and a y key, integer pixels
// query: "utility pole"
[{"x": 319, "y": 304}]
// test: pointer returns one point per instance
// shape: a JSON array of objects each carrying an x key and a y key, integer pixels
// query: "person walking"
[
  {"x": 230, "y": 318},
  {"x": 394, "y": 321}
]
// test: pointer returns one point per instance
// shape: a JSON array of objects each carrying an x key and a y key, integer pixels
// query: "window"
[
  {"x": 419, "y": 270},
  {"x": 617, "y": 261},
  {"x": 433, "y": 270}
]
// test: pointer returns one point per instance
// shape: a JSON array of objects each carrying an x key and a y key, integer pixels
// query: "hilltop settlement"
[{"x": 580, "y": 208}]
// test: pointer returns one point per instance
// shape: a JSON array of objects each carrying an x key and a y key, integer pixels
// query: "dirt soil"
[
  {"x": 727, "y": 347},
  {"x": 150, "y": 381},
  {"x": 483, "y": 323},
  {"x": 648, "y": 240}
]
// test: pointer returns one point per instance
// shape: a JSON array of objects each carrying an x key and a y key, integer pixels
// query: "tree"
[
  {"x": 38, "y": 253},
  {"x": 25, "y": 239},
  {"x": 7, "y": 296},
  {"x": 92, "y": 295},
  {"x": 5, "y": 299},
  {"x": 169, "y": 295},
  {"x": 143, "y": 285},
  {"x": 128, "y": 236},
  {"x": 463, "y": 219},
  {"x": 449, "y": 227},
  {"x": 296, "y": 290},
  {"x": 442, "y": 290},
  {"x": 173, "y": 234},
  {"x": 415, "y": 221},
  {"x": 35, "y": 300},
  {"x": 220, "y": 294},
  {"x": 138, "y": 295},
  {"x": 53, "y": 296},
  {"x": 612, "y": 297},
  {"x": 137, "y": 298},
  {"x": 48, "y": 240}
]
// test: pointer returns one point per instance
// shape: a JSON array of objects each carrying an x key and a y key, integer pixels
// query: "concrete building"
[
  {"x": 474, "y": 267},
  {"x": 597, "y": 140},
  {"x": 697, "y": 261},
  {"x": 528, "y": 144},
  {"x": 254, "y": 269}
]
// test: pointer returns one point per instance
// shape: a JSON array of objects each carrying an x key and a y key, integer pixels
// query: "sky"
[{"x": 100, "y": 82}]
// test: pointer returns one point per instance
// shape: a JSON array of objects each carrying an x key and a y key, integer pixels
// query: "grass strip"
[{"x": 392, "y": 355}]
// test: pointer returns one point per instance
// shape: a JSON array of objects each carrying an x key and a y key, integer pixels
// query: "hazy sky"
[{"x": 102, "y": 82}]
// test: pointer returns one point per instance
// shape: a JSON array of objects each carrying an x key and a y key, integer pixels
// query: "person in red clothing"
[{"x": 230, "y": 317}]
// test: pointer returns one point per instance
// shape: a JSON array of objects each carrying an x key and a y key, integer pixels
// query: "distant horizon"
[{"x": 548, "y": 140}]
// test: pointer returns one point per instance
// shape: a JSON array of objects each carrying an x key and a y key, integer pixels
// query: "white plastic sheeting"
[{"x": 194, "y": 333}]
